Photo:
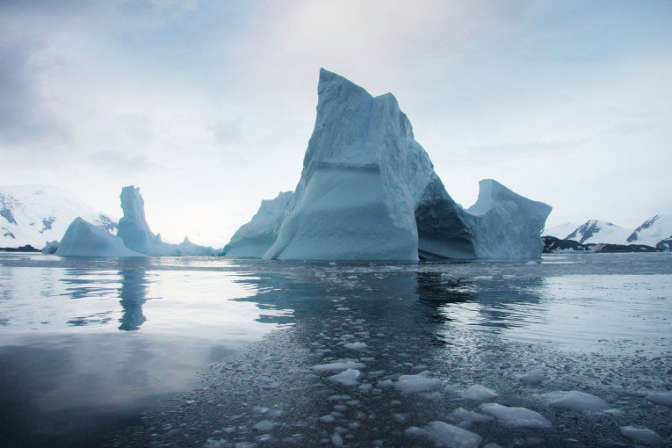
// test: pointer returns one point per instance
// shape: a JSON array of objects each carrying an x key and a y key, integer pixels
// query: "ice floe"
[
  {"x": 347, "y": 378},
  {"x": 642, "y": 435},
  {"x": 466, "y": 418},
  {"x": 335, "y": 366},
  {"x": 664, "y": 398},
  {"x": 479, "y": 393},
  {"x": 575, "y": 400},
  {"x": 515, "y": 417},
  {"x": 420, "y": 382},
  {"x": 444, "y": 434}
]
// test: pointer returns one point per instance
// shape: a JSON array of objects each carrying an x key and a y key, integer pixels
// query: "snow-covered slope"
[
  {"x": 596, "y": 231},
  {"x": 253, "y": 239},
  {"x": 561, "y": 230},
  {"x": 83, "y": 239},
  {"x": 35, "y": 214},
  {"x": 368, "y": 191},
  {"x": 652, "y": 231}
]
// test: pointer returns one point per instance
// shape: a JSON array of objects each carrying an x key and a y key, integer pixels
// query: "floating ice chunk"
[
  {"x": 515, "y": 417},
  {"x": 327, "y": 418},
  {"x": 347, "y": 378},
  {"x": 83, "y": 239},
  {"x": 664, "y": 398},
  {"x": 215, "y": 443},
  {"x": 642, "y": 435},
  {"x": 335, "y": 366},
  {"x": 465, "y": 417},
  {"x": 479, "y": 393},
  {"x": 340, "y": 397},
  {"x": 355, "y": 345},
  {"x": 337, "y": 440},
  {"x": 491, "y": 445},
  {"x": 265, "y": 426},
  {"x": 365, "y": 388},
  {"x": 575, "y": 400},
  {"x": 444, "y": 434},
  {"x": 534, "y": 377},
  {"x": 420, "y": 382}
]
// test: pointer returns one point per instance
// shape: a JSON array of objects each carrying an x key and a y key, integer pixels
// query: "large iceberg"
[
  {"x": 83, "y": 239},
  {"x": 368, "y": 191},
  {"x": 133, "y": 227},
  {"x": 253, "y": 239},
  {"x": 135, "y": 232},
  {"x": 133, "y": 238}
]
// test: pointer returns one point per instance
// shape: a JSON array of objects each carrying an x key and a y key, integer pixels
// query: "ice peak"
[
  {"x": 333, "y": 85},
  {"x": 133, "y": 227}
]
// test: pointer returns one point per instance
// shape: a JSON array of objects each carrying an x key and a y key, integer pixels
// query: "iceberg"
[
  {"x": 136, "y": 235},
  {"x": 506, "y": 225},
  {"x": 253, "y": 239},
  {"x": 83, "y": 239},
  {"x": 133, "y": 228},
  {"x": 368, "y": 191}
]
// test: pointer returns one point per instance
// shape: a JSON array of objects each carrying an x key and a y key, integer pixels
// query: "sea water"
[{"x": 572, "y": 351}]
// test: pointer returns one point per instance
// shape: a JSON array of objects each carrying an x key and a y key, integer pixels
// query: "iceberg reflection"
[{"x": 133, "y": 294}]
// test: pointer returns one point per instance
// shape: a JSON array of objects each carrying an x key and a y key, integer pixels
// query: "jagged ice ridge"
[{"x": 368, "y": 191}]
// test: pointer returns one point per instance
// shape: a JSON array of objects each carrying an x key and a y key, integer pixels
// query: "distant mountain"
[
  {"x": 35, "y": 214},
  {"x": 652, "y": 231},
  {"x": 561, "y": 230},
  {"x": 596, "y": 231}
]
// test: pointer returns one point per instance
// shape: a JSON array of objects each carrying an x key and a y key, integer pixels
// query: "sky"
[{"x": 208, "y": 106}]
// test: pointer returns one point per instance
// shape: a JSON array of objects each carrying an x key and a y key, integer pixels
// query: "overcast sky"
[{"x": 208, "y": 106}]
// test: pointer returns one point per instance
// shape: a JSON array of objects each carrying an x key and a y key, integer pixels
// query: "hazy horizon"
[{"x": 208, "y": 108}]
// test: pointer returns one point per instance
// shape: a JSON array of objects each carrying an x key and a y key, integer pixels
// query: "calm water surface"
[{"x": 179, "y": 351}]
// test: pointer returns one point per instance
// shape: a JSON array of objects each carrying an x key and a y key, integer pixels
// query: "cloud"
[
  {"x": 119, "y": 162},
  {"x": 23, "y": 116},
  {"x": 226, "y": 133}
]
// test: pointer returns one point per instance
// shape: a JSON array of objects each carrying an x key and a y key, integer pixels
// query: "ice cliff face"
[
  {"x": 506, "y": 225},
  {"x": 363, "y": 177},
  {"x": 133, "y": 227},
  {"x": 368, "y": 191},
  {"x": 83, "y": 239},
  {"x": 253, "y": 239}
]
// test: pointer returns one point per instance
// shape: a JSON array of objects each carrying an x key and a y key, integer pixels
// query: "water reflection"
[{"x": 133, "y": 294}]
